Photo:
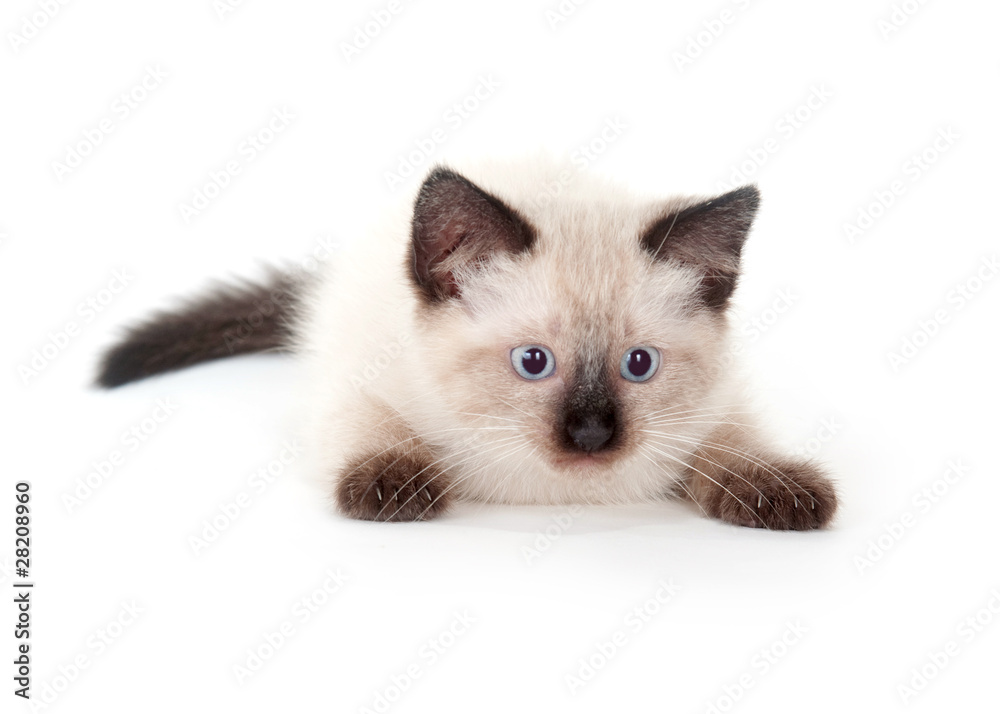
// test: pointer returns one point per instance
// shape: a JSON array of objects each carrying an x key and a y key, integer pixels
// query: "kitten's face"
[{"x": 577, "y": 352}]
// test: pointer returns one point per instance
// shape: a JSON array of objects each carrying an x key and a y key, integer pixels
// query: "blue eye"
[
  {"x": 533, "y": 361},
  {"x": 640, "y": 363}
]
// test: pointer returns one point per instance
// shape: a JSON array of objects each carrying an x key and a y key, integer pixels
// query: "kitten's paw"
[
  {"x": 392, "y": 487},
  {"x": 783, "y": 495}
]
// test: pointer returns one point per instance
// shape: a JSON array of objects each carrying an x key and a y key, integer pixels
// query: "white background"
[{"x": 833, "y": 308}]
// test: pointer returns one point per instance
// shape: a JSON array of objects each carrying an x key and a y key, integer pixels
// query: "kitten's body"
[{"x": 409, "y": 337}]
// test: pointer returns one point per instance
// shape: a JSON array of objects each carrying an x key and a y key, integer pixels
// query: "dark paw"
[
  {"x": 784, "y": 495},
  {"x": 392, "y": 487}
]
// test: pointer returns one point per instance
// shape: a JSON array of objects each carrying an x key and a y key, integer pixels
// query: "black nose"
[{"x": 591, "y": 432}]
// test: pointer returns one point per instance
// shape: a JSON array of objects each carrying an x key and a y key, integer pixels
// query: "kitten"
[{"x": 495, "y": 343}]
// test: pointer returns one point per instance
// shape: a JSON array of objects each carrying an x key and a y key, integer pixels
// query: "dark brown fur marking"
[
  {"x": 230, "y": 320},
  {"x": 392, "y": 487},
  {"x": 456, "y": 223},
  {"x": 783, "y": 495},
  {"x": 710, "y": 236}
]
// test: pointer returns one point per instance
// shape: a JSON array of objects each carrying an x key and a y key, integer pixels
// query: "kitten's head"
[{"x": 569, "y": 330}]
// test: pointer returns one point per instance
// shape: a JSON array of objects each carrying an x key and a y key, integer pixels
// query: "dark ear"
[
  {"x": 456, "y": 225},
  {"x": 709, "y": 236}
]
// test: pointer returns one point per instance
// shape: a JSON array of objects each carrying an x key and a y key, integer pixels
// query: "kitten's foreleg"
[{"x": 735, "y": 478}]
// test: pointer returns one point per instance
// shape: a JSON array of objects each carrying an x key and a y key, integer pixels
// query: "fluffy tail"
[{"x": 229, "y": 320}]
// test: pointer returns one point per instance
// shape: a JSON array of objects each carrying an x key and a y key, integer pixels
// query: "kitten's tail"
[{"x": 229, "y": 320}]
